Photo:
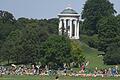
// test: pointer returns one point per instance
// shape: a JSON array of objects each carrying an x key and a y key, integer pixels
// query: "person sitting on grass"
[
  {"x": 82, "y": 68},
  {"x": 113, "y": 71}
]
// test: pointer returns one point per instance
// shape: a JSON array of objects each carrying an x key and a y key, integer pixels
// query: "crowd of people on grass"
[
  {"x": 40, "y": 70},
  {"x": 107, "y": 72}
]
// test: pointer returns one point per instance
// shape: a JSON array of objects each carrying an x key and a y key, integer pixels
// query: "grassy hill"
[{"x": 92, "y": 56}]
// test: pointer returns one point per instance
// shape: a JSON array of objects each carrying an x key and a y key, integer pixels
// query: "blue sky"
[{"x": 44, "y": 8}]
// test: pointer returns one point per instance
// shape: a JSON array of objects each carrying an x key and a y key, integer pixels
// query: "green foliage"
[
  {"x": 92, "y": 41},
  {"x": 22, "y": 46},
  {"x": 108, "y": 32},
  {"x": 112, "y": 55},
  {"x": 7, "y": 24},
  {"x": 109, "y": 38},
  {"x": 33, "y": 41},
  {"x": 92, "y": 56},
  {"x": 93, "y": 11},
  {"x": 99, "y": 19},
  {"x": 56, "y": 49},
  {"x": 11, "y": 46},
  {"x": 53, "y": 25},
  {"x": 76, "y": 52},
  {"x": 6, "y": 17}
]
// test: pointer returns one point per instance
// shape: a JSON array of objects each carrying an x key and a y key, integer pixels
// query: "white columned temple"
[{"x": 69, "y": 23}]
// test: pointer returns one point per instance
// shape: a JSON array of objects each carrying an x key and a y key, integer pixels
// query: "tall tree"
[
  {"x": 6, "y": 17},
  {"x": 22, "y": 46},
  {"x": 76, "y": 53},
  {"x": 93, "y": 11},
  {"x": 11, "y": 47},
  {"x": 7, "y": 24},
  {"x": 56, "y": 49},
  {"x": 108, "y": 32},
  {"x": 109, "y": 38},
  {"x": 112, "y": 56}
]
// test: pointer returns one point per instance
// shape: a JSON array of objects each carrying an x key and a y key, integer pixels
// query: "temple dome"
[{"x": 69, "y": 11}]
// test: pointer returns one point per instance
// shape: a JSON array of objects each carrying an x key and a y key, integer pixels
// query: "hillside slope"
[{"x": 92, "y": 56}]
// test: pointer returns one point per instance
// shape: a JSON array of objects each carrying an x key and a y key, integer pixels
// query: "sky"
[{"x": 38, "y": 9}]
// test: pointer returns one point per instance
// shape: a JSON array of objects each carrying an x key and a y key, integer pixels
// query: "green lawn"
[
  {"x": 53, "y": 78},
  {"x": 91, "y": 55}
]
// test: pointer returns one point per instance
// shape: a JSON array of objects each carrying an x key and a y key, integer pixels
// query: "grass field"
[
  {"x": 91, "y": 55},
  {"x": 53, "y": 78}
]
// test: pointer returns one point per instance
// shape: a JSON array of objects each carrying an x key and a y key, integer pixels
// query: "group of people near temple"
[{"x": 40, "y": 70}]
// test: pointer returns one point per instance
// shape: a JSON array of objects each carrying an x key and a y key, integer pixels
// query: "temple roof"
[{"x": 69, "y": 11}]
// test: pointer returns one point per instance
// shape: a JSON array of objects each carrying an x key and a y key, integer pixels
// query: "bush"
[
  {"x": 112, "y": 56},
  {"x": 92, "y": 41}
]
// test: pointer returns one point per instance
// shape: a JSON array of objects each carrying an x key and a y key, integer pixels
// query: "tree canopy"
[
  {"x": 109, "y": 38},
  {"x": 25, "y": 41},
  {"x": 93, "y": 11}
]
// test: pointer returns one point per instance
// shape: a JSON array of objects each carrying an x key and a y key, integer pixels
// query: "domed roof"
[{"x": 69, "y": 11}]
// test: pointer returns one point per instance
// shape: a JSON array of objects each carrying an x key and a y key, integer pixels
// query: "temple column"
[
  {"x": 75, "y": 22},
  {"x": 78, "y": 28},
  {"x": 70, "y": 28},
  {"x": 65, "y": 26},
  {"x": 60, "y": 27}
]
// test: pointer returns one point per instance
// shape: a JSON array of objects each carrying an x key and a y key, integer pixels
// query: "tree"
[
  {"x": 11, "y": 48},
  {"x": 76, "y": 53},
  {"x": 108, "y": 32},
  {"x": 7, "y": 24},
  {"x": 53, "y": 27},
  {"x": 92, "y": 12},
  {"x": 33, "y": 38},
  {"x": 109, "y": 39},
  {"x": 6, "y": 17},
  {"x": 22, "y": 46},
  {"x": 56, "y": 49},
  {"x": 24, "y": 36},
  {"x": 50, "y": 25},
  {"x": 112, "y": 56},
  {"x": 30, "y": 41}
]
